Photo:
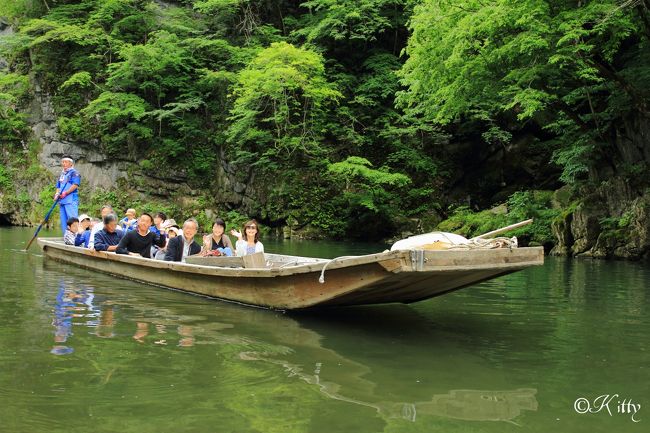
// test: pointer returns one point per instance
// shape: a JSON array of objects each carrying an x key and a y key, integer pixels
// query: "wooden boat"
[{"x": 292, "y": 283}]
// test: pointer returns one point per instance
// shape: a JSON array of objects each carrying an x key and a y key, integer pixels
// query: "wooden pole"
[
  {"x": 38, "y": 229},
  {"x": 504, "y": 229}
]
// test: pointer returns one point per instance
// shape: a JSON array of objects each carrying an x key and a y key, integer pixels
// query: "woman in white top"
[{"x": 248, "y": 239}]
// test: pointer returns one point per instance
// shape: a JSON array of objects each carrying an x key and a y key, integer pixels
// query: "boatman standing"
[{"x": 67, "y": 191}]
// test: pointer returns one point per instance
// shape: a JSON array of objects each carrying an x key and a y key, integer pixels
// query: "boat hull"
[{"x": 396, "y": 276}]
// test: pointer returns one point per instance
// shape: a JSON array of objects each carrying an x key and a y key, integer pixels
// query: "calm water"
[{"x": 83, "y": 352}]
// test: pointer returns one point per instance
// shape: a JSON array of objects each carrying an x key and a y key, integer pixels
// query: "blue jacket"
[
  {"x": 66, "y": 180},
  {"x": 104, "y": 239}
]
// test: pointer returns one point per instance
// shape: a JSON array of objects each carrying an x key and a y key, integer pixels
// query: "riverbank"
[{"x": 609, "y": 220}]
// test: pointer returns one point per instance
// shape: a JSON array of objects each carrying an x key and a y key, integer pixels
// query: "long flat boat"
[{"x": 293, "y": 283}]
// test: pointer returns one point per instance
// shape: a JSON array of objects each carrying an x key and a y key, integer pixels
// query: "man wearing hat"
[{"x": 66, "y": 191}]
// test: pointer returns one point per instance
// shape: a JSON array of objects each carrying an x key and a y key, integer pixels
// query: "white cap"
[{"x": 83, "y": 216}]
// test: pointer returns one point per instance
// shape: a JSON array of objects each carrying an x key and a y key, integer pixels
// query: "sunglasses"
[{"x": 251, "y": 227}]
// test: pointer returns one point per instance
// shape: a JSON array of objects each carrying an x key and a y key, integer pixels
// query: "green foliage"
[
  {"x": 116, "y": 118},
  {"x": 280, "y": 100},
  {"x": 6, "y": 181},
  {"x": 350, "y": 20},
  {"x": 14, "y": 91},
  {"x": 366, "y": 186},
  {"x": 328, "y": 112},
  {"x": 16, "y": 8},
  {"x": 572, "y": 68},
  {"x": 377, "y": 192},
  {"x": 519, "y": 207}
]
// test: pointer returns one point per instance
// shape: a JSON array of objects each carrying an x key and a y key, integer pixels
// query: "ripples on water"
[{"x": 87, "y": 352}]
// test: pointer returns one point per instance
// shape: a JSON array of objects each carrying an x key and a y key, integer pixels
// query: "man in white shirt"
[{"x": 183, "y": 246}]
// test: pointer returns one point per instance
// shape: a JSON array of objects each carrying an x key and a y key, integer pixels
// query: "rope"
[{"x": 321, "y": 279}]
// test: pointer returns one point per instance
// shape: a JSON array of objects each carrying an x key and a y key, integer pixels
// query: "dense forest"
[{"x": 362, "y": 119}]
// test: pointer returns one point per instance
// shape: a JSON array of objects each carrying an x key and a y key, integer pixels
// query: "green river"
[{"x": 559, "y": 348}]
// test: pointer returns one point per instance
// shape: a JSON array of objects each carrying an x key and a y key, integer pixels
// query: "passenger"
[
  {"x": 218, "y": 243},
  {"x": 84, "y": 222},
  {"x": 172, "y": 232},
  {"x": 138, "y": 242},
  {"x": 72, "y": 235},
  {"x": 85, "y": 229},
  {"x": 105, "y": 210},
  {"x": 158, "y": 219},
  {"x": 129, "y": 222},
  {"x": 169, "y": 223},
  {"x": 109, "y": 237},
  {"x": 248, "y": 241},
  {"x": 183, "y": 246}
]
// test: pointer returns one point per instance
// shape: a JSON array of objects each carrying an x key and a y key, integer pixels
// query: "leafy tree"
[
  {"x": 571, "y": 68},
  {"x": 119, "y": 119},
  {"x": 280, "y": 100},
  {"x": 14, "y": 92},
  {"x": 364, "y": 185}
]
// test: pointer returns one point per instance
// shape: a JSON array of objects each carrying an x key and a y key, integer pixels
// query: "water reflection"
[
  {"x": 279, "y": 345},
  {"x": 184, "y": 333},
  {"x": 71, "y": 303}
]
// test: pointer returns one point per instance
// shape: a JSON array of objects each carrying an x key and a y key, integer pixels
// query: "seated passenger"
[
  {"x": 129, "y": 222},
  {"x": 72, "y": 235},
  {"x": 105, "y": 210},
  {"x": 169, "y": 223},
  {"x": 138, "y": 242},
  {"x": 172, "y": 232},
  {"x": 109, "y": 237},
  {"x": 84, "y": 222},
  {"x": 85, "y": 229},
  {"x": 218, "y": 243},
  {"x": 157, "y": 227},
  {"x": 158, "y": 219},
  {"x": 248, "y": 241},
  {"x": 183, "y": 246}
]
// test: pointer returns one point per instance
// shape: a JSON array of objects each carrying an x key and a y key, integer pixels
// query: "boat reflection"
[{"x": 293, "y": 346}]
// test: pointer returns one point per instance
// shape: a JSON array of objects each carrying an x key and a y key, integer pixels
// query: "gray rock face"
[
  {"x": 96, "y": 170},
  {"x": 613, "y": 221},
  {"x": 231, "y": 185}
]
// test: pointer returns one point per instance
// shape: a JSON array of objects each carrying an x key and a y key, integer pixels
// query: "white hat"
[{"x": 83, "y": 216}]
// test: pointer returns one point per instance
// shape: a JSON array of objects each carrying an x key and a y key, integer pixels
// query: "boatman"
[{"x": 67, "y": 191}]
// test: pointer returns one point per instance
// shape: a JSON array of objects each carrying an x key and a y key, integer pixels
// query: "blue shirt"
[
  {"x": 128, "y": 227},
  {"x": 85, "y": 238},
  {"x": 104, "y": 239},
  {"x": 66, "y": 180}
]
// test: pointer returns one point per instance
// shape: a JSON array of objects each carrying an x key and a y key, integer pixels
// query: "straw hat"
[{"x": 169, "y": 223}]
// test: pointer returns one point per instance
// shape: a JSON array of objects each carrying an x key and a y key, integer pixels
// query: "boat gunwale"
[{"x": 404, "y": 258}]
